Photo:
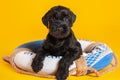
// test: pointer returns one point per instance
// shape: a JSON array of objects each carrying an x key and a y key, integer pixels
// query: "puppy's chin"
[{"x": 60, "y": 35}]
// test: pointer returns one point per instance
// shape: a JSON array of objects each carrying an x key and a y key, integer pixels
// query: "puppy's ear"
[
  {"x": 45, "y": 19},
  {"x": 73, "y": 16}
]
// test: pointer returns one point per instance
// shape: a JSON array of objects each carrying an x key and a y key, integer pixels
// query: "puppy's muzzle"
[
  {"x": 60, "y": 29},
  {"x": 59, "y": 25}
]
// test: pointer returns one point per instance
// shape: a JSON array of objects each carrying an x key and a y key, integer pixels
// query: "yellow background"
[{"x": 97, "y": 20}]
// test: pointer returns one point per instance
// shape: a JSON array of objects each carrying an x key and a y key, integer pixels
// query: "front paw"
[
  {"x": 36, "y": 65},
  {"x": 62, "y": 75}
]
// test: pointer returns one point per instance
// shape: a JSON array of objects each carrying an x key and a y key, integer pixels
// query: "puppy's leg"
[
  {"x": 65, "y": 62},
  {"x": 37, "y": 63}
]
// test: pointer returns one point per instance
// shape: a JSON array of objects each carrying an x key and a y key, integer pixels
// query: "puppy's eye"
[
  {"x": 64, "y": 15},
  {"x": 55, "y": 16}
]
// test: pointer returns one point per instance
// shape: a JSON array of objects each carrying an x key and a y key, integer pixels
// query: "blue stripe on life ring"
[{"x": 105, "y": 61}]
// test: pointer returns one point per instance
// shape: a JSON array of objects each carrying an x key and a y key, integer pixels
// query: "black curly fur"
[{"x": 60, "y": 41}]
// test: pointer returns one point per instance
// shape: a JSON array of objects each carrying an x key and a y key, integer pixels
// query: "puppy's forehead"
[{"x": 61, "y": 12}]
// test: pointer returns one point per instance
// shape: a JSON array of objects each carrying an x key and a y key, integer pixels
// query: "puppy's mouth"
[
  {"x": 60, "y": 36},
  {"x": 60, "y": 33}
]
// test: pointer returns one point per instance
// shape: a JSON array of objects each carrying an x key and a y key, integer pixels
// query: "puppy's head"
[{"x": 59, "y": 20}]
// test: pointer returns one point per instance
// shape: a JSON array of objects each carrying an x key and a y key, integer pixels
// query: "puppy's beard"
[{"x": 60, "y": 35}]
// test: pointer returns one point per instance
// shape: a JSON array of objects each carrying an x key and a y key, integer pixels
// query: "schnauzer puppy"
[{"x": 60, "y": 41}]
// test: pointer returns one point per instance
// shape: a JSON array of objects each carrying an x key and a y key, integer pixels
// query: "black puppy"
[{"x": 60, "y": 41}]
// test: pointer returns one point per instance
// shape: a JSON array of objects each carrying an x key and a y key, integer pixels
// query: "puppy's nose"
[{"x": 60, "y": 29}]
